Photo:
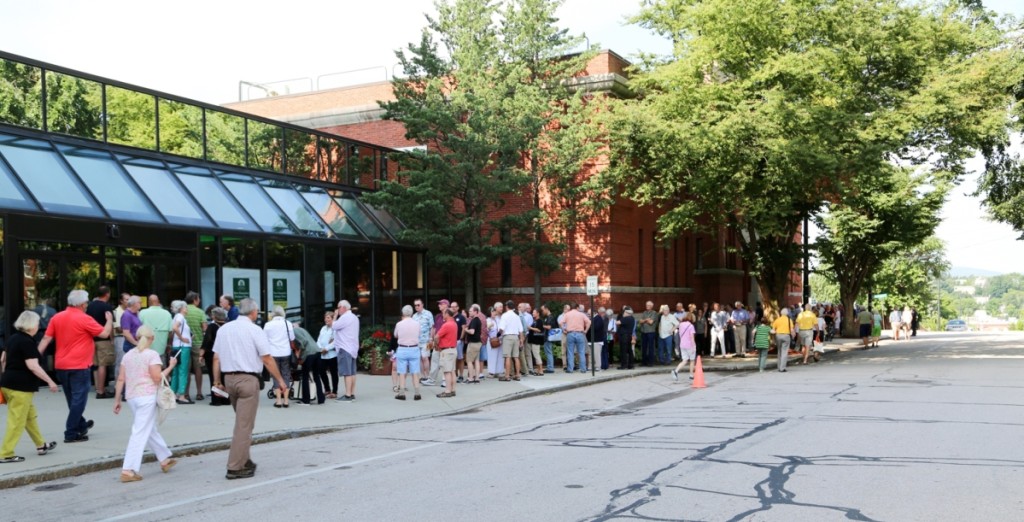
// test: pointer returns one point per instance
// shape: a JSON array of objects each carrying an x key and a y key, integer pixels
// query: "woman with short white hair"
[
  {"x": 138, "y": 378},
  {"x": 280, "y": 336},
  {"x": 181, "y": 347},
  {"x": 20, "y": 363}
]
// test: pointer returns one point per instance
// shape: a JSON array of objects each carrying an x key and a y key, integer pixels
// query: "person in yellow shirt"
[
  {"x": 805, "y": 323},
  {"x": 782, "y": 328}
]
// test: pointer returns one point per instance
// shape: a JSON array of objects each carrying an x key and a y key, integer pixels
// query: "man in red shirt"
[
  {"x": 74, "y": 331},
  {"x": 447, "y": 336}
]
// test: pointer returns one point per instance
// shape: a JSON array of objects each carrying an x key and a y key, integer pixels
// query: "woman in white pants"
[{"x": 139, "y": 377}]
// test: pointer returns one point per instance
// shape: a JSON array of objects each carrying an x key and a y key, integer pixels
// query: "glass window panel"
[
  {"x": 181, "y": 129},
  {"x": 21, "y": 94},
  {"x": 257, "y": 203},
  {"x": 242, "y": 269},
  {"x": 330, "y": 211},
  {"x": 356, "y": 275},
  {"x": 332, "y": 161},
  {"x": 225, "y": 138},
  {"x": 11, "y": 193},
  {"x": 131, "y": 118},
  {"x": 390, "y": 222},
  {"x": 208, "y": 261},
  {"x": 264, "y": 146},
  {"x": 363, "y": 162},
  {"x": 109, "y": 184},
  {"x": 301, "y": 149},
  {"x": 359, "y": 216},
  {"x": 284, "y": 278},
  {"x": 73, "y": 106},
  {"x": 46, "y": 176},
  {"x": 216, "y": 200},
  {"x": 295, "y": 207},
  {"x": 167, "y": 195}
]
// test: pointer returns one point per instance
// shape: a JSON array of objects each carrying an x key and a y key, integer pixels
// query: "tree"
[
  {"x": 557, "y": 124},
  {"x": 451, "y": 101},
  {"x": 882, "y": 215},
  {"x": 768, "y": 109},
  {"x": 908, "y": 277},
  {"x": 493, "y": 107}
]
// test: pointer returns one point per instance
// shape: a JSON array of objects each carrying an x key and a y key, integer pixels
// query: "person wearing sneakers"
[
  {"x": 806, "y": 322},
  {"x": 782, "y": 328},
  {"x": 21, "y": 373},
  {"x": 75, "y": 333},
  {"x": 687, "y": 346},
  {"x": 240, "y": 354},
  {"x": 447, "y": 335},
  {"x": 346, "y": 342},
  {"x": 407, "y": 358},
  {"x": 138, "y": 378},
  {"x": 762, "y": 342}
]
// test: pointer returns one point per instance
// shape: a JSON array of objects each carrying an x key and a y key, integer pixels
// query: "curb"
[{"x": 198, "y": 448}]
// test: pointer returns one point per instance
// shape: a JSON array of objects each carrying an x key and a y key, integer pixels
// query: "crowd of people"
[{"x": 153, "y": 347}]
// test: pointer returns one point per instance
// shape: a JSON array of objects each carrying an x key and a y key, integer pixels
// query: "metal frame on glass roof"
[{"x": 58, "y": 175}]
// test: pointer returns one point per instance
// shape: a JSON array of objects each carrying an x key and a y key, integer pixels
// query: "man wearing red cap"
[{"x": 435, "y": 353}]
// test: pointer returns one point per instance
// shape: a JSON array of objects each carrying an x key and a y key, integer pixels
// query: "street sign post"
[{"x": 592, "y": 291}]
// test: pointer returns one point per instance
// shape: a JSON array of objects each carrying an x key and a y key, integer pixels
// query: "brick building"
[{"x": 620, "y": 247}]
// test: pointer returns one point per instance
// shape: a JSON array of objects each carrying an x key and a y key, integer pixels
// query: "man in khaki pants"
[{"x": 239, "y": 355}]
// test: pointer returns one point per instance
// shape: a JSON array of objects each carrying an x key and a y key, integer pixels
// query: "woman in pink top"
[
  {"x": 687, "y": 345},
  {"x": 139, "y": 377}
]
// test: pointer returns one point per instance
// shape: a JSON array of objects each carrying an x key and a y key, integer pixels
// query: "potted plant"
[{"x": 373, "y": 351}]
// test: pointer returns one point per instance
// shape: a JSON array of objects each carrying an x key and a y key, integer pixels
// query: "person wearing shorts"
[
  {"x": 346, "y": 342},
  {"x": 446, "y": 340},
  {"x": 510, "y": 328},
  {"x": 687, "y": 346},
  {"x": 864, "y": 319},
  {"x": 407, "y": 358},
  {"x": 474, "y": 344}
]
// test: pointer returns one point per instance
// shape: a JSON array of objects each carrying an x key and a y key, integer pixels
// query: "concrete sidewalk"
[{"x": 200, "y": 428}]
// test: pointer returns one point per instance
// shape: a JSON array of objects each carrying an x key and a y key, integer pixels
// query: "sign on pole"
[{"x": 591, "y": 285}]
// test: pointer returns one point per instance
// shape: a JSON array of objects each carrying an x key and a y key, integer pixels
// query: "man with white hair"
[
  {"x": 346, "y": 341},
  {"x": 75, "y": 331},
  {"x": 407, "y": 357},
  {"x": 240, "y": 354}
]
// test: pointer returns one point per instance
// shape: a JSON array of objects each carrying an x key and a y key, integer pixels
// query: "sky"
[{"x": 202, "y": 49}]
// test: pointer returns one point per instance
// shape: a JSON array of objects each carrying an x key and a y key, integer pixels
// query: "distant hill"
[{"x": 964, "y": 271}]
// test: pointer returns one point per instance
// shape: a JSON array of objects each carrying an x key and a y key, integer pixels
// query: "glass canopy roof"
[{"x": 55, "y": 178}]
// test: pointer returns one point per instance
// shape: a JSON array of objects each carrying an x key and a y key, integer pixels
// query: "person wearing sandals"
[
  {"x": 139, "y": 377},
  {"x": 687, "y": 345},
  {"x": 20, "y": 363},
  {"x": 181, "y": 343},
  {"x": 407, "y": 357}
]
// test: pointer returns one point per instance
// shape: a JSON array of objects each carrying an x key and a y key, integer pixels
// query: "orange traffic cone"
[{"x": 698, "y": 375}]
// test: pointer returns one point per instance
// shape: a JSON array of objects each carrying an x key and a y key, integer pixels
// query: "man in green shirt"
[
  {"x": 159, "y": 320},
  {"x": 864, "y": 318},
  {"x": 196, "y": 320}
]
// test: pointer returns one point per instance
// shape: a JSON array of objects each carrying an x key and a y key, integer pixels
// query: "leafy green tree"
[
  {"x": 450, "y": 195},
  {"x": 881, "y": 215},
  {"x": 908, "y": 277},
  {"x": 493, "y": 106},
  {"x": 768, "y": 109},
  {"x": 557, "y": 126}
]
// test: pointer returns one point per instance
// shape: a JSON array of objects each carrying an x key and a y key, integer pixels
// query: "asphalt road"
[{"x": 922, "y": 430}]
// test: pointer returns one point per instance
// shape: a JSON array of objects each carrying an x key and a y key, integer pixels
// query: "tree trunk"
[
  {"x": 850, "y": 325},
  {"x": 536, "y": 290},
  {"x": 468, "y": 282}
]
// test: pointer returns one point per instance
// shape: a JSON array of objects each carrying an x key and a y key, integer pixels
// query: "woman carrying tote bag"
[{"x": 139, "y": 378}]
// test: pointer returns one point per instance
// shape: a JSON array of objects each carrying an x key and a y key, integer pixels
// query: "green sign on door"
[
  {"x": 240, "y": 288},
  {"x": 280, "y": 292}
]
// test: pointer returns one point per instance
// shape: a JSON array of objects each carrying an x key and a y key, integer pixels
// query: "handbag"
[
  {"x": 165, "y": 400},
  {"x": 495, "y": 342}
]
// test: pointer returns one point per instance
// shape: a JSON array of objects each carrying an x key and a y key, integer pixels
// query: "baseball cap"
[{"x": 444, "y": 302}]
